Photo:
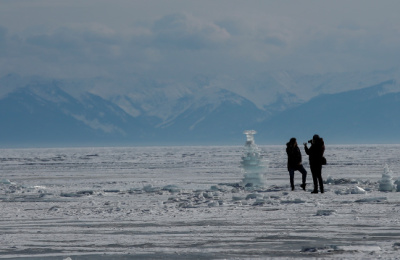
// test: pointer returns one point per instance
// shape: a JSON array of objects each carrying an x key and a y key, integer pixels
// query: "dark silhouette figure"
[
  {"x": 294, "y": 163},
  {"x": 315, "y": 153}
]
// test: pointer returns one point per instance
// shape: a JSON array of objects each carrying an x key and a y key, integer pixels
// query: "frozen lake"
[{"x": 189, "y": 203}]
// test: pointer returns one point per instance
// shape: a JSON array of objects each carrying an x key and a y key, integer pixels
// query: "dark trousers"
[
  {"x": 316, "y": 171},
  {"x": 301, "y": 169}
]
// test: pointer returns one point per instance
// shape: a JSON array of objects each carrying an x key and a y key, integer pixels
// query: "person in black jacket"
[
  {"x": 294, "y": 163},
  {"x": 315, "y": 153}
]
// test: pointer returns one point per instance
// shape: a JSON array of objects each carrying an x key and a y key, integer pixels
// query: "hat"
[{"x": 316, "y": 137}]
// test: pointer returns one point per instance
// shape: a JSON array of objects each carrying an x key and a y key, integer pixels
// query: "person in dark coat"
[
  {"x": 315, "y": 153},
  {"x": 294, "y": 163}
]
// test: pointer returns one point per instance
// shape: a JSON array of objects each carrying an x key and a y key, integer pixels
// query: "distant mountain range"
[
  {"x": 36, "y": 111},
  {"x": 369, "y": 115}
]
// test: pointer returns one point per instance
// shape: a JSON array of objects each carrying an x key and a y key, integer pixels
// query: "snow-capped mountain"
[
  {"x": 209, "y": 109},
  {"x": 368, "y": 115},
  {"x": 45, "y": 114}
]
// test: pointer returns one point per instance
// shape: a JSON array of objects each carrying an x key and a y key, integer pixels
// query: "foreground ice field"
[{"x": 188, "y": 203}]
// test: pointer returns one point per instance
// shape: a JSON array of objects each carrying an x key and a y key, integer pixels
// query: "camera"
[{"x": 309, "y": 141}]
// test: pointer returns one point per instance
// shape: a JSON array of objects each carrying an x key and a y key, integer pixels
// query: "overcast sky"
[{"x": 177, "y": 39}]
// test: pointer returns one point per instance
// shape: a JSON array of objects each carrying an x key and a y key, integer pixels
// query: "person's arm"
[
  {"x": 306, "y": 149},
  {"x": 298, "y": 156}
]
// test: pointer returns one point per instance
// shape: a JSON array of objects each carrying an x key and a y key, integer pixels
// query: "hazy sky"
[{"x": 173, "y": 39}]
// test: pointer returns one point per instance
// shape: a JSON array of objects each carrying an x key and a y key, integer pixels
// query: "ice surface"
[{"x": 191, "y": 202}]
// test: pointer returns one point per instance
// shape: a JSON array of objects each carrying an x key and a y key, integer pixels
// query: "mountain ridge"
[
  {"x": 358, "y": 116},
  {"x": 53, "y": 112}
]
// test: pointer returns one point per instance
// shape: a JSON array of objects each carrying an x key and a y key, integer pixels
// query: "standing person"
[
  {"x": 315, "y": 153},
  {"x": 294, "y": 163}
]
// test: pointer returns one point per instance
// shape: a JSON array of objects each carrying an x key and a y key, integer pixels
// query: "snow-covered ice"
[{"x": 191, "y": 202}]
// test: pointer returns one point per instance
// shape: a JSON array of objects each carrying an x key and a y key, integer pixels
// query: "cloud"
[
  {"x": 68, "y": 51},
  {"x": 80, "y": 41},
  {"x": 185, "y": 32},
  {"x": 3, "y": 39},
  {"x": 196, "y": 38},
  {"x": 3, "y": 33}
]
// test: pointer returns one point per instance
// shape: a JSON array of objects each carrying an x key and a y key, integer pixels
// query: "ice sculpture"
[
  {"x": 252, "y": 162},
  {"x": 386, "y": 183},
  {"x": 397, "y": 182},
  {"x": 251, "y": 154}
]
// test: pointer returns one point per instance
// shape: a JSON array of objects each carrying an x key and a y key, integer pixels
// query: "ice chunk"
[
  {"x": 312, "y": 249},
  {"x": 113, "y": 191},
  {"x": 353, "y": 190},
  {"x": 341, "y": 192},
  {"x": 5, "y": 181},
  {"x": 373, "y": 199},
  {"x": 207, "y": 195},
  {"x": 86, "y": 192},
  {"x": 361, "y": 248},
  {"x": 325, "y": 212},
  {"x": 213, "y": 204},
  {"x": 215, "y": 188},
  {"x": 149, "y": 188},
  {"x": 293, "y": 201},
  {"x": 351, "y": 248},
  {"x": 254, "y": 179},
  {"x": 331, "y": 180},
  {"x": 253, "y": 196},
  {"x": 357, "y": 190},
  {"x": 238, "y": 198},
  {"x": 172, "y": 188},
  {"x": 259, "y": 202},
  {"x": 186, "y": 204},
  {"x": 70, "y": 194}
]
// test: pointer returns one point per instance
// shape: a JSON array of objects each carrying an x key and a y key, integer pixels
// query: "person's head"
[
  {"x": 293, "y": 141},
  {"x": 315, "y": 138}
]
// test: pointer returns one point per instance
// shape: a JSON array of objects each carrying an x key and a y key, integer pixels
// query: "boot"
[
  {"x": 315, "y": 189},
  {"x": 303, "y": 186}
]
